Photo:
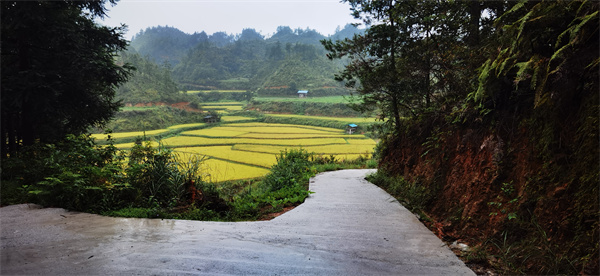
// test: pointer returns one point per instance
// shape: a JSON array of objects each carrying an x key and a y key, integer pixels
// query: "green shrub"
[
  {"x": 153, "y": 183},
  {"x": 293, "y": 168},
  {"x": 73, "y": 174}
]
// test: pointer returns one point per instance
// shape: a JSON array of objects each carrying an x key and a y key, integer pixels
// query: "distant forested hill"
[
  {"x": 149, "y": 82},
  {"x": 279, "y": 65}
]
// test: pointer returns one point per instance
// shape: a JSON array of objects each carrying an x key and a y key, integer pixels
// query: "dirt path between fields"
[{"x": 347, "y": 227}]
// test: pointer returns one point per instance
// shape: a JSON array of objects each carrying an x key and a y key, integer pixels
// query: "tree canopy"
[
  {"x": 58, "y": 70},
  {"x": 150, "y": 82},
  {"x": 417, "y": 56},
  {"x": 413, "y": 55}
]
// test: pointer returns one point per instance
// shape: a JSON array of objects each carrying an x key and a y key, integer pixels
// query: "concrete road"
[{"x": 347, "y": 227}]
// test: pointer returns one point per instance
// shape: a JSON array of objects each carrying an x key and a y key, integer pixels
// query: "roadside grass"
[{"x": 284, "y": 186}]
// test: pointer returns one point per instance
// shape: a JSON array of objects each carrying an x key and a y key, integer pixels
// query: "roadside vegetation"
[
  {"x": 491, "y": 112},
  {"x": 150, "y": 181}
]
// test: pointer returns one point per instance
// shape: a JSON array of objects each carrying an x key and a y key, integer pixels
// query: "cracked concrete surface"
[{"x": 347, "y": 227}]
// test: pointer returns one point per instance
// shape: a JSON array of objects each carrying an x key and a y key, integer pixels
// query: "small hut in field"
[
  {"x": 302, "y": 93},
  {"x": 209, "y": 119},
  {"x": 351, "y": 128}
]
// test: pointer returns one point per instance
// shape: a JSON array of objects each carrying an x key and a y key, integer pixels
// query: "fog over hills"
[{"x": 278, "y": 65}]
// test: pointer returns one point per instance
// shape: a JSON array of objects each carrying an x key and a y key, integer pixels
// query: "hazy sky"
[{"x": 230, "y": 16}]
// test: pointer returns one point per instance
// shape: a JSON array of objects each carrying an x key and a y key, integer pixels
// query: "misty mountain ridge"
[
  {"x": 164, "y": 43},
  {"x": 277, "y": 66}
]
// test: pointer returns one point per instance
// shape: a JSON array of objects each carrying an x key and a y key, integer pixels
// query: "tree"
[
  {"x": 150, "y": 83},
  {"x": 413, "y": 55},
  {"x": 250, "y": 34},
  {"x": 58, "y": 70},
  {"x": 547, "y": 55}
]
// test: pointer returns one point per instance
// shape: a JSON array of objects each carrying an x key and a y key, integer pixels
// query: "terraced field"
[
  {"x": 246, "y": 150},
  {"x": 171, "y": 129},
  {"x": 356, "y": 120}
]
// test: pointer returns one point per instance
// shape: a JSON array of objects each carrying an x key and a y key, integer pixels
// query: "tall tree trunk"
[
  {"x": 394, "y": 79},
  {"x": 25, "y": 129},
  {"x": 4, "y": 134},
  {"x": 473, "y": 27}
]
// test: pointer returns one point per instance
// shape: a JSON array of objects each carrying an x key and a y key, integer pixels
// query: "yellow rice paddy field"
[{"x": 234, "y": 151}]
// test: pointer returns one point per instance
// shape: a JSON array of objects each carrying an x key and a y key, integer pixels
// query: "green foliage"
[
  {"x": 159, "y": 117},
  {"x": 216, "y": 96},
  {"x": 165, "y": 43},
  {"x": 58, "y": 70},
  {"x": 285, "y": 185},
  {"x": 78, "y": 175},
  {"x": 305, "y": 108},
  {"x": 413, "y": 195},
  {"x": 276, "y": 66},
  {"x": 287, "y": 61},
  {"x": 413, "y": 58},
  {"x": 150, "y": 83},
  {"x": 148, "y": 182},
  {"x": 293, "y": 168},
  {"x": 538, "y": 47},
  {"x": 506, "y": 202},
  {"x": 73, "y": 174},
  {"x": 155, "y": 175}
]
